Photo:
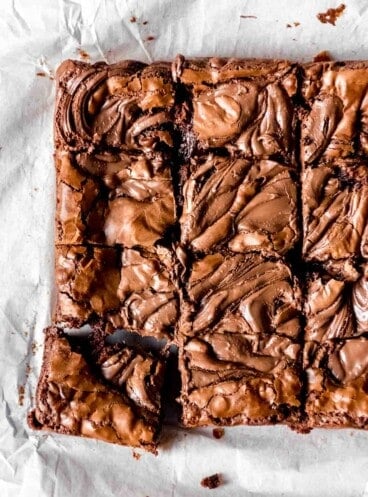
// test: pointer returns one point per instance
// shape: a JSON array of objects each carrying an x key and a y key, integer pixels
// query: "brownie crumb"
[
  {"x": 144, "y": 23},
  {"x": 136, "y": 455},
  {"x": 323, "y": 56},
  {"x": 248, "y": 17},
  {"x": 212, "y": 481},
  {"x": 150, "y": 38},
  {"x": 133, "y": 19},
  {"x": 331, "y": 15},
  {"x": 21, "y": 395},
  {"x": 293, "y": 25},
  {"x": 218, "y": 433},
  {"x": 82, "y": 53},
  {"x": 42, "y": 75}
]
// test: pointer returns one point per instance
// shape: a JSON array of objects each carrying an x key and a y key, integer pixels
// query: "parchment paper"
[{"x": 35, "y": 36}]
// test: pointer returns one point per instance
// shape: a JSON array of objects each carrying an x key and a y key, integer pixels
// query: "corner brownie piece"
[
  {"x": 335, "y": 215},
  {"x": 113, "y": 198},
  {"x": 240, "y": 104},
  {"x": 239, "y": 338},
  {"x": 133, "y": 289},
  {"x": 335, "y": 123},
  {"x": 117, "y": 400},
  {"x": 336, "y": 352},
  {"x": 241, "y": 204},
  {"x": 124, "y": 105}
]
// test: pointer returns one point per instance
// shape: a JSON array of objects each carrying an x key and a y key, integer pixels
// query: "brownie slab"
[
  {"x": 240, "y": 204},
  {"x": 334, "y": 124},
  {"x": 335, "y": 215},
  {"x": 240, "y": 343},
  {"x": 240, "y": 104},
  {"x": 116, "y": 400},
  {"x": 124, "y": 105},
  {"x": 113, "y": 198},
  {"x": 133, "y": 289}
]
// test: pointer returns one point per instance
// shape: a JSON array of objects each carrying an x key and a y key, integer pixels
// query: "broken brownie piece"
[
  {"x": 335, "y": 216},
  {"x": 110, "y": 198},
  {"x": 134, "y": 289},
  {"x": 244, "y": 205},
  {"x": 240, "y": 342},
  {"x": 116, "y": 400},
  {"x": 125, "y": 105},
  {"x": 335, "y": 123},
  {"x": 240, "y": 104}
]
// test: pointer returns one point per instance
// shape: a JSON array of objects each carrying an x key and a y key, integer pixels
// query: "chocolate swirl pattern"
[
  {"x": 337, "y": 383},
  {"x": 241, "y": 105},
  {"x": 240, "y": 204},
  {"x": 124, "y": 105},
  {"x": 335, "y": 212},
  {"x": 113, "y": 198},
  {"x": 247, "y": 293},
  {"x": 71, "y": 399},
  {"x": 335, "y": 126}
]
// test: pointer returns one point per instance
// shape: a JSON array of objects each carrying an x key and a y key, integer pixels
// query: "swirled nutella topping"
[
  {"x": 147, "y": 292},
  {"x": 337, "y": 383},
  {"x": 335, "y": 126},
  {"x": 243, "y": 293},
  {"x": 87, "y": 280},
  {"x": 335, "y": 213},
  {"x": 240, "y": 204},
  {"x": 127, "y": 104},
  {"x": 241, "y": 104},
  {"x": 113, "y": 198},
  {"x": 232, "y": 378},
  {"x": 72, "y": 400}
]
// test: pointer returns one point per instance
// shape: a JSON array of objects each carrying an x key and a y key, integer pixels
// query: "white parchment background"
[{"x": 34, "y": 37}]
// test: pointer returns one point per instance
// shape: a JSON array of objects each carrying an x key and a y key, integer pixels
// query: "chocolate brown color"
[
  {"x": 241, "y": 204},
  {"x": 110, "y": 402},
  {"x": 241, "y": 104},
  {"x": 240, "y": 348},
  {"x": 148, "y": 292},
  {"x": 335, "y": 214},
  {"x": 124, "y": 105},
  {"x": 110, "y": 198},
  {"x": 335, "y": 124}
]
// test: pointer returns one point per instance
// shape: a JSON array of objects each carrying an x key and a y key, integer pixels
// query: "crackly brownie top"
[
  {"x": 244, "y": 293},
  {"x": 72, "y": 398},
  {"x": 335, "y": 124},
  {"x": 335, "y": 212},
  {"x": 120, "y": 105},
  {"x": 241, "y": 104},
  {"x": 242, "y": 204}
]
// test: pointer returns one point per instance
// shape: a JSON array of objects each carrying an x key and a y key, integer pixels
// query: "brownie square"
[
  {"x": 335, "y": 214},
  {"x": 337, "y": 372},
  {"x": 239, "y": 338},
  {"x": 117, "y": 399},
  {"x": 113, "y": 198},
  {"x": 240, "y": 104},
  {"x": 125, "y": 105},
  {"x": 334, "y": 124},
  {"x": 148, "y": 292},
  {"x": 87, "y": 280},
  {"x": 336, "y": 309},
  {"x": 134, "y": 289},
  {"x": 237, "y": 203}
]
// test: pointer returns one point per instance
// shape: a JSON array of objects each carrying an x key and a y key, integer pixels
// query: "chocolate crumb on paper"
[
  {"x": 331, "y": 15},
  {"x": 21, "y": 392},
  {"x": 293, "y": 24},
  {"x": 323, "y": 56},
  {"x": 212, "y": 481},
  {"x": 83, "y": 54},
  {"x": 136, "y": 455},
  {"x": 150, "y": 38},
  {"x": 218, "y": 433},
  {"x": 133, "y": 19},
  {"x": 248, "y": 17}
]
